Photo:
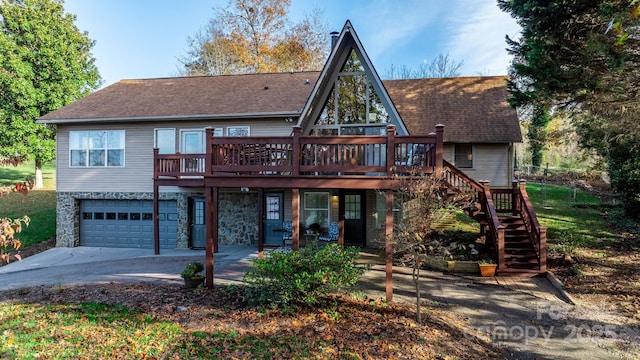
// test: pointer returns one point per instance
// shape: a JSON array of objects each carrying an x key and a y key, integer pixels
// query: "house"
[{"x": 255, "y": 159}]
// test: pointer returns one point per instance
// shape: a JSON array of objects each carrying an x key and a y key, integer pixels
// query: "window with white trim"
[
  {"x": 316, "y": 208},
  {"x": 165, "y": 140},
  {"x": 100, "y": 148},
  {"x": 238, "y": 131},
  {"x": 193, "y": 141}
]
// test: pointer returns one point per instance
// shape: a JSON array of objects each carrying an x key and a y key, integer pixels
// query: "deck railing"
[{"x": 299, "y": 155}]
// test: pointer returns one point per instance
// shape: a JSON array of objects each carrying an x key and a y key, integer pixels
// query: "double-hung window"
[
  {"x": 100, "y": 148},
  {"x": 316, "y": 208}
]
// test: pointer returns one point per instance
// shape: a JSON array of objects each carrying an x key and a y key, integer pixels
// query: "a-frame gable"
[{"x": 349, "y": 50}]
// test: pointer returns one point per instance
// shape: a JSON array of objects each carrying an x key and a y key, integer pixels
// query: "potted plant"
[
  {"x": 487, "y": 268},
  {"x": 192, "y": 275}
]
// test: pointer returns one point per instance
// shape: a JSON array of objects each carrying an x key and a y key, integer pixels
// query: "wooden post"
[
  {"x": 260, "y": 221},
  {"x": 500, "y": 245},
  {"x": 543, "y": 249},
  {"x": 391, "y": 149},
  {"x": 211, "y": 225},
  {"x": 341, "y": 217},
  {"x": 156, "y": 204},
  {"x": 295, "y": 218},
  {"x": 208, "y": 160},
  {"x": 295, "y": 162},
  {"x": 389, "y": 246},
  {"x": 439, "y": 149},
  {"x": 515, "y": 203}
]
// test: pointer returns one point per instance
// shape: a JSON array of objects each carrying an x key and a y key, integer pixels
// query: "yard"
[{"x": 588, "y": 250}]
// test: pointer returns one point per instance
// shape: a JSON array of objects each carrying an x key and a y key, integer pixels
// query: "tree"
[
  {"x": 583, "y": 57},
  {"x": 45, "y": 63},
  {"x": 426, "y": 202},
  {"x": 441, "y": 66},
  {"x": 254, "y": 36}
]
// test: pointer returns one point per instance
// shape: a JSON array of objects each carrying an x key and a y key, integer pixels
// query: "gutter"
[{"x": 285, "y": 114}]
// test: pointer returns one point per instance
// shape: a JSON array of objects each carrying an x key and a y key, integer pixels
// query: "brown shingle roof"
[
  {"x": 194, "y": 96},
  {"x": 473, "y": 109}
]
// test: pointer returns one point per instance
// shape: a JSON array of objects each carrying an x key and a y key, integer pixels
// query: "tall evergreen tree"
[
  {"x": 584, "y": 56},
  {"x": 45, "y": 63}
]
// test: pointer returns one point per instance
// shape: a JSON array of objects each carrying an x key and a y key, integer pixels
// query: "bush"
[{"x": 288, "y": 280}]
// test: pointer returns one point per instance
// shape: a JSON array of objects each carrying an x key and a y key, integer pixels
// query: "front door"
[
  {"x": 198, "y": 228},
  {"x": 354, "y": 218},
  {"x": 273, "y": 214}
]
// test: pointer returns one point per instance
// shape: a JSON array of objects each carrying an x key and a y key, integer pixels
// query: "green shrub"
[{"x": 288, "y": 280}]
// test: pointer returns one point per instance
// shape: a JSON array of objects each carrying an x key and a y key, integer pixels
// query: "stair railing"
[
  {"x": 462, "y": 183},
  {"x": 537, "y": 233},
  {"x": 495, "y": 230}
]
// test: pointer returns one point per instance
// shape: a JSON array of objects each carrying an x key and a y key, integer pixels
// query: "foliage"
[
  {"x": 253, "y": 36},
  {"x": 427, "y": 203},
  {"x": 193, "y": 270},
  {"x": 583, "y": 57},
  {"x": 45, "y": 63},
  {"x": 441, "y": 66},
  {"x": 8, "y": 228},
  {"x": 288, "y": 280}
]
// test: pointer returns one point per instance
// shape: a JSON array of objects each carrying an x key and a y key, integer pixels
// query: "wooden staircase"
[
  {"x": 507, "y": 221},
  {"x": 520, "y": 254}
]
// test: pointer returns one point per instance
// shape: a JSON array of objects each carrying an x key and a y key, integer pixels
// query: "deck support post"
[
  {"x": 295, "y": 218},
  {"x": 389, "y": 246},
  {"x": 156, "y": 205},
  {"x": 260, "y": 222},
  {"x": 211, "y": 209}
]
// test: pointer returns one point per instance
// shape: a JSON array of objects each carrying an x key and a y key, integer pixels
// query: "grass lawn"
[
  {"x": 39, "y": 205},
  {"x": 573, "y": 217}
]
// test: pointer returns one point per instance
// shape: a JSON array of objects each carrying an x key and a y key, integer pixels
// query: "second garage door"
[{"x": 127, "y": 223}]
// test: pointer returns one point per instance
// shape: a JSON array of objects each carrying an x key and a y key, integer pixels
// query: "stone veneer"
[
  {"x": 237, "y": 216},
  {"x": 238, "y": 219}
]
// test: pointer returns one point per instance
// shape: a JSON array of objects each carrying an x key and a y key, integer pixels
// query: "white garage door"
[{"x": 127, "y": 223}]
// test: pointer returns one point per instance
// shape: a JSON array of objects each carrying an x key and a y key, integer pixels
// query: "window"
[
  {"x": 165, "y": 141},
  {"x": 381, "y": 208},
  {"x": 463, "y": 156},
  {"x": 316, "y": 208},
  {"x": 238, "y": 131},
  {"x": 193, "y": 141},
  {"x": 96, "y": 148},
  {"x": 353, "y": 104}
]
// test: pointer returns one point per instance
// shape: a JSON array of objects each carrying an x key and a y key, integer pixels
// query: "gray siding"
[
  {"x": 491, "y": 162},
  {"x": 136, "y": 175}
]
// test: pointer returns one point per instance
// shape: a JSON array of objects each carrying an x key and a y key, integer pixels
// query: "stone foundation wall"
[{"x": 238, "y": 219}]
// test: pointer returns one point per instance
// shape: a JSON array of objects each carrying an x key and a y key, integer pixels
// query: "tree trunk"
[
  {"x": 38, "y": 183},
  {"x": 416, "y": 282}
]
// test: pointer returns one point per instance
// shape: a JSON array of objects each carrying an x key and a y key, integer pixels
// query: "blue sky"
[{"x": 145, "y": 38}]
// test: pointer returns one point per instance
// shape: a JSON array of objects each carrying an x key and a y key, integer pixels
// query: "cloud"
[{"x": 478, "y": 37}]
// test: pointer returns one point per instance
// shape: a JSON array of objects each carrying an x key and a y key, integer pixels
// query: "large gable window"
[
  {"x": 353, "y": 107},
  {"x": 102, "y": 148}
]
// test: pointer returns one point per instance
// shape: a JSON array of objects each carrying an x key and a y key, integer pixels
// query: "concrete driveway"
[{"x": 85, "y": 265}]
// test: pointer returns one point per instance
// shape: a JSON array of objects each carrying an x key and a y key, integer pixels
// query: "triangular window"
[{"x": 353, "y": 107}]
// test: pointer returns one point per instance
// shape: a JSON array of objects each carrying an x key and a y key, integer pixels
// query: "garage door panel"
[{"x": 126, "y": 223}]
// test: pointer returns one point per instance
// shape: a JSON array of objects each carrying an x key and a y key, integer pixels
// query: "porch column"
[
  {"x": 389, "y": 247},
  {"x": 211, "y": 225},
  {"x": 341, "y": 217},
  {"x": 260, "y": 222},
  {"x": 156, "y": 207},
  {"x": 295, "y": 218},
  {"x": 439, "y": 148}
]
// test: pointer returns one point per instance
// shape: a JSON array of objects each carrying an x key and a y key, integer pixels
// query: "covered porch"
[{"x": 298, "y": 162}]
